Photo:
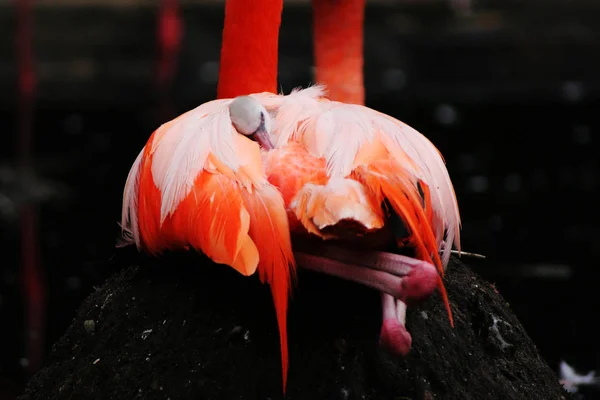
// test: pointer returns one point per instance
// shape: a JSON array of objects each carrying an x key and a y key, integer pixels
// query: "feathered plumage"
[
  {"x": 343, "y": 169},
  {"x": 352, "y": 140},
  {"x": 200, "y": 183}
]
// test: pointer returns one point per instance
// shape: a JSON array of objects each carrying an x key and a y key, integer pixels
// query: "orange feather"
[
  {"x": 199, "y": 183},
  {"x": 330, "y": 140},
  {"x": 337, "y": 164},
  {"x": 403, "y": 196},
  {"x": 273, "y": 268}
]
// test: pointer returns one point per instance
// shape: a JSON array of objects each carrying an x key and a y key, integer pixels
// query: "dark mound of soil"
[{"x": 183, "y": 328}]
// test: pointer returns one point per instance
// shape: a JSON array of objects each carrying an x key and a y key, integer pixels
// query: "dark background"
[{"x": 507, "y": 90}]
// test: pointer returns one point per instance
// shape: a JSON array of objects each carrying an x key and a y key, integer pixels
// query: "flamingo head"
[{"x": 251, "y": 119}]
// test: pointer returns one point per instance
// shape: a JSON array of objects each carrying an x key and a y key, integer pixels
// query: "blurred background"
[{"x": 508, "y": 90}]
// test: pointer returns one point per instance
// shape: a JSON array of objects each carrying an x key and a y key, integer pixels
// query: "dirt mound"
[{"x": 181, "y": 327}]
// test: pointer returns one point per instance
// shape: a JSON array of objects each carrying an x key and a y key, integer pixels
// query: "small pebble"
[
  {"x": 345, "y": 393},
  {"x": 341, "y": 345},
  {"x": 89, "y": 325}
]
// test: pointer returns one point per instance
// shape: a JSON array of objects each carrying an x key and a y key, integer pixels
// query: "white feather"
[
  {"x": 292, "y": 110},
  {"x": 435, "y": 175},
  {"x": 341, "y": 129},
  {"x": 129, "y": 219},
  {"x": 571, "y": 380},
  {"x": 181, "y": 153}
]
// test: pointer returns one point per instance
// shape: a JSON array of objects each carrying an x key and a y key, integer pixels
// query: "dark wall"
[{"x": 508, "y": 94}]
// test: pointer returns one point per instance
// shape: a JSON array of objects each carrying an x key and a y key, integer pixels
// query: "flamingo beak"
[{"x": 262, "y": 137}]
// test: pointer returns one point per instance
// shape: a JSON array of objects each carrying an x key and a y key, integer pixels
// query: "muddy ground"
[{"x": 182, "y": 328}]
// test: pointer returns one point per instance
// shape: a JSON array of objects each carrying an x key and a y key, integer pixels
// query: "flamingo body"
[
  {"x": 336, "y": 162},
  {"x": 338, "y": 171},
  {"x": 200, "y": 183},
  {"x": 346, "y": 171}
]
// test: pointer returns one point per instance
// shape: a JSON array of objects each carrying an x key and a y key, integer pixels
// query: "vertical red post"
[{"x": 31, "y": 272}]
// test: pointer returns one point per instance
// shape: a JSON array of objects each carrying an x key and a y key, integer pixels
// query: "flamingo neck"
[
  {"x": 338, "y": 48},
  {"x": 249, "y": 49}
]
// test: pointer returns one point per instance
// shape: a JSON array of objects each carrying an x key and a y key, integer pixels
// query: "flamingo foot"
[
  {"x": 419, "y": 284},
  {"x": 401, "y": 280},
  {"x": 394, "y": 338}
]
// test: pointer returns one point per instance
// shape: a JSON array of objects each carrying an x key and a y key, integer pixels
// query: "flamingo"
[
  {"x": 199, "y": 181},
  {"x": 338, "y": 29},
  {"x": 212, "y": 179},
  {"x": 353, "y": 176}
]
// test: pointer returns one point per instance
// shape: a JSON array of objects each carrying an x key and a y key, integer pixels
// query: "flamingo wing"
[
  {"x": 393, "y": 163},
  {"x": 362, "y": 171},
  {"x": 199, "y": 183}
]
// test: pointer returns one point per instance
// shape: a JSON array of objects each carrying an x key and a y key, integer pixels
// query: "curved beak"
[{"x": 262, "y": 137}]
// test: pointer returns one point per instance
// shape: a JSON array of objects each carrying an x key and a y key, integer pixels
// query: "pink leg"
[
  {"x": 398, "y": 278},
  {"x": 404, "y": 278},
  {"x": 394, "y": 337}
]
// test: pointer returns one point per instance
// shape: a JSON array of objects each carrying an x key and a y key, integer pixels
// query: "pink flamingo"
[{"x": 234, "y": 176}]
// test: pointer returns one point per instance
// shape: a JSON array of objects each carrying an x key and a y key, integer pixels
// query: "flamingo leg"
[
  {"x": 407, "y": 282},
  {"x": 400, "y": 280},
  {"x": 402, "y": 277},
  {"x": 394, "y": 337}
]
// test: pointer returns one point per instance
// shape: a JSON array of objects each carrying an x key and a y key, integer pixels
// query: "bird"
[
  {"x": 338, "y": 30},
  {"x": 199, "y": 180},
  {"x": 354, "y": 177},
  {"x": 208, "y": 179}
]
